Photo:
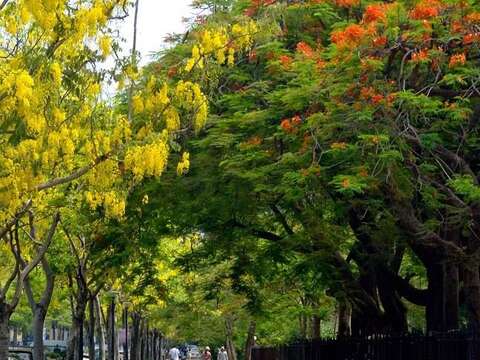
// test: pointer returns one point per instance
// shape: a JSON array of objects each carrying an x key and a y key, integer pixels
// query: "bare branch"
[
  {"x": 282, "y": 219},
  {"x": 134, "y": 59},
  {"x": 3, "y": 4},
  {"x": 12, "y": 221},
  {"x": 75, "y": 175},
  {"x": 35, "y": 261}
]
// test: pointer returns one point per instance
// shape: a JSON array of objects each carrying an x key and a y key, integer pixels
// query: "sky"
[{"x": 156, "y": 19}]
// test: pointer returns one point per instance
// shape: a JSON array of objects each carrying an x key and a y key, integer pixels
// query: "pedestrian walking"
[
  {"x": 207, "y": 355},
  {"x": 174, "y": 354},
  {"x": 222, "y": 354}
]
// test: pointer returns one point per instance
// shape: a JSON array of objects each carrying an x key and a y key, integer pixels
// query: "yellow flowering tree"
[{"x": 61, "y": 145}]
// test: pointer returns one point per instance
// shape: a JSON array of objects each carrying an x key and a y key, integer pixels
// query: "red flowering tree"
[{"x": 354, "y": 127}]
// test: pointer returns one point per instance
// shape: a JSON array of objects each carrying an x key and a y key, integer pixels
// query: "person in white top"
[
  {"x": 222, "y": 354},
  {"x": 174, "y": 354}
]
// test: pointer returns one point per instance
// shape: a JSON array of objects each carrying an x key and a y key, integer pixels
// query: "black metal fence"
[{"x": 381, "y": 347}]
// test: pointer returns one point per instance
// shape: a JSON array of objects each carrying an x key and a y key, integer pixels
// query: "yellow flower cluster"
[
  {"x": 56, "y": 72},
  {"x": 104, "y": 176},
  {"x": 166, "y": 106},
  {"x": 151, "y": 100},
  {"x": 113, "y": 203},
  {"x": 190, "y": 94},
  {"x": 24, "y": 91},
  {"x": 243, "y": 35},
  {"x": 43, "y": 11},
  {"x": 184, "y": 165},
  {"x": 121, "y": 132},
  {"x": 217, "y": 44},
  {"x": 147, "y": 160},
  {"x": 105, "y": 45}
]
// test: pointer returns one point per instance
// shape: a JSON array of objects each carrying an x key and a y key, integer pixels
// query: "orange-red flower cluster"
[
  {"x": 346, "y": 183},
  {"x": 426, "y": 9},
  {"x": 296, "y": 120},
  {"x": 473, "y": 17},
  {"x": 254, "y": 141},
  {"x": 286, "y": 125},
  {"x": 252, "y": 56},
  {"x": 347, "y": 3},
  {"x": 380, "y": 41},
  {"x": 374, "y": 13},
  {"x": 286, "y": 61},
  {"x": 471, "y": 38},
  {"x": 351, "y": 35},
  {"x": 369, "y": 94},
  {"x": 457, "y": 60},
  {"x": 420, "y": 55},
  {"x": 363, "y": 172},
  {"x": 305, "y": 49},
  {"x": 255, "y": 5},
  {"x": 291, "y": 125}
]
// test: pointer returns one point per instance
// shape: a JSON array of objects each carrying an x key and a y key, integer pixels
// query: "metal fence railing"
[{"x": 451, "y": 346}]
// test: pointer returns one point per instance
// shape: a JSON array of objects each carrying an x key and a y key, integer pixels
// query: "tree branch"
[
  {"x": 3, "y": 4},
  {"x": 282, "y": 219},
  {"x": 408, "y": 291},
  {"x": 255, "y": 232},
  {"x": 134, "y": 59},
  {"x": 35, "y": 261},
  {"x": 75, "y": 175},
  {"x": 429, "y": 245},
  {"x": 12, "y": 221}
]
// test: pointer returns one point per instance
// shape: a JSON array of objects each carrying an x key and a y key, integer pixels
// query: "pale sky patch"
[{"x": 156, "y": 19}]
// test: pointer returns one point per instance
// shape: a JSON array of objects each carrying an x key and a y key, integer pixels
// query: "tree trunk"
[
  {"x": 472, "y": 297},
  {"x": 302, "y": 321},
  {"x": 143, "y": 341},
  {"x": 39, "y": 314},
  {"x": 111, "y": 342},
  {"x": 75, "y": 347},
  {"x": 250, "y": 340},
  {"x": 395, "y": 310},
  {"x": 100, "y": 320},
  {"x": 443, "y": 297},
  {"x": 452, "y": 298},
  {"x": 40, "y": 308},
  {"x": 91, "y": 328},
  {"x": 4, "y": 332},
  {"x": 316, "y": 327},
  {"x": 344, "y": 314},
  {"x": 230, "y": 346},
  {"x": 135, "y": 337}
]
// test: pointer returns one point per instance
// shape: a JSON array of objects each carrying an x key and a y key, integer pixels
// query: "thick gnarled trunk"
[{"x": 472, "y": 297}]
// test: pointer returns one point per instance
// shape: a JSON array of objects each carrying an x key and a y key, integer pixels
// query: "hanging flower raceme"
[{"x": 221, "y": 45}]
